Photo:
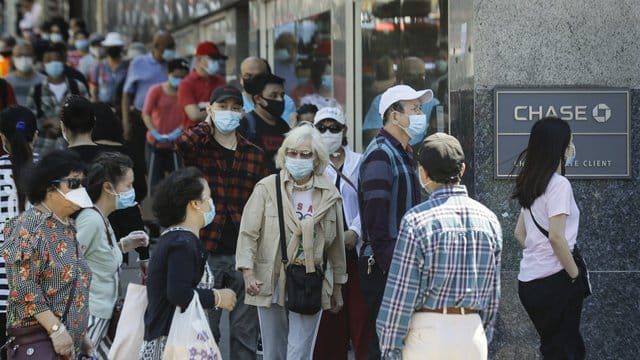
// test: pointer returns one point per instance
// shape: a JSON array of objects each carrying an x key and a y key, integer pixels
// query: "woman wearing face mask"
[
  {"x": 549, "y": 283},
  {"x": 183, "y": 206},
  {"x": 311, "y": 209},
  {"x": 45, "y": 266},
  {"x": 109, "y": 72},
  {"x": 110, "y": 180}
]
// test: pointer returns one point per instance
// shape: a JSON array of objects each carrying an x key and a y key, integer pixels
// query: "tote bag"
[
  {"x": 190, "y": 336},
  {"x": 130, "y": 333}
]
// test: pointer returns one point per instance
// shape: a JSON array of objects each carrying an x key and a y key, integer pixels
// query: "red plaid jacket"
[{"x": 230, "y": 189}]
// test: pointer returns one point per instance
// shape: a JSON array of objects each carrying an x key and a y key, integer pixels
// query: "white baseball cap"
[
  {"x": 329, "y": 113},
  {"x": 400, "y": 93},
  {"x": 113, "y": 39}
]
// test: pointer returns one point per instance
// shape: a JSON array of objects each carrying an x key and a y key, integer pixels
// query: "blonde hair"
[{"x": 297, "y": 136}]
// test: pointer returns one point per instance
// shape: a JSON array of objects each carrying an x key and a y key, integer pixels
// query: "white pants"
[
  {"x": 449, "y": 337},
  {"x": 287, "y": 335}
]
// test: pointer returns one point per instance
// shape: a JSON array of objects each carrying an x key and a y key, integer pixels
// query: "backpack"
[{"x": 37, "y": 95}]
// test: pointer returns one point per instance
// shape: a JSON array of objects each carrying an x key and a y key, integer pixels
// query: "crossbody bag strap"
[
  {"x": 283, "y": 245},
  {"x": 106, "y": 226},
  {"x": 343, "y": 177},
  {"x": 542, "y": 230},
  {"x": 72, "y": 294}
]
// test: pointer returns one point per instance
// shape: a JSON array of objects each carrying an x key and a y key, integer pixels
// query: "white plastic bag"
[
  {"x": 130, "y": 330},
  {"x": 190, "y": 336}
]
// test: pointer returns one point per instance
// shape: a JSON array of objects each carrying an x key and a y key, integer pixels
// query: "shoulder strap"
[
  {"x": 542, "y": 230},
  {"x": 283, "y": 245},
  {"x": 37, "y": 99},
  {"x": 73, "y": 87},
  {"x": 4, "y": 92},
  {"x": 106, "y": 226},
  {"x": 343, "y": 177}
]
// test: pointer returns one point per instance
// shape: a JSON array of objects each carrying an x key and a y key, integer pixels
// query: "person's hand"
[
  {"x": 134, "y": 240},
  {"x": 350, "y": 239},
  {"x": 62, "y": 342},
  {"x": 226, "y": 299},
  {"x": 161, "y": 138},
  {"x": 251, "y": 285},
  {"x": 336, "y": 299},
  {"x": 174, "y": 135},
  {"x": 86, "y": 347}
]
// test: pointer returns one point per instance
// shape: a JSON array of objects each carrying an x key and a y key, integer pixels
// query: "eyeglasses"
[
  {"x": 334, "y": 129},
  {"x": 72, "y": 183},
  {"x": 304, "y": 154}
]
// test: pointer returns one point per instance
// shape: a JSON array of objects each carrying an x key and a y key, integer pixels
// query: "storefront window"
[{"x": 404, "y": 42}]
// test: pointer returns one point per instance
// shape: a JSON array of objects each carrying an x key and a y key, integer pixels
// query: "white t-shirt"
[
  {"x": 59, "y": 89},
  {"x": 303, "y": 207},
  {"x": 538, "y": 258}
]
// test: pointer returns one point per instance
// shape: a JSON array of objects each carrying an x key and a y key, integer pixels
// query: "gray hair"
[{"x": 299, "y": 135}]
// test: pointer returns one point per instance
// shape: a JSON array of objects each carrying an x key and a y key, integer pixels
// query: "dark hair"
[
  {"x": 396, "y": 106},
  {"x": 62, "y": 24},
  {"x": 177, "y": 64},
  {"x": 174, "y": 193},
  {"x": 317, "y": 70},
  {"x": 307, "y": 109},
  {"x": 108, "y": 125},
  {"x": 256, "y": 84},
  {"x": 59, "y": 48},
  {"x": 83, "y": 32},
  {"x": 18, "y": 124},
  {"x": 77, "y": 114},
  {"x": 266, "y": 64},
  {"x": 106, "y": 167},
  {"x": 55, "y": 165},
  {"x": 548, "y": 141}
]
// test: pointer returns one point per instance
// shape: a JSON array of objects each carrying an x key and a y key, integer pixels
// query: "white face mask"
[
  {"x": 79, "y": 197},
  {"x": 23, "y": 63},
  {"x": 332, "y": 142},
  {"x": 423, "y": 184}
]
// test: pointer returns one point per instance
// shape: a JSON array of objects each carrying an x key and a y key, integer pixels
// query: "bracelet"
[{"x": 217, "y": 299}]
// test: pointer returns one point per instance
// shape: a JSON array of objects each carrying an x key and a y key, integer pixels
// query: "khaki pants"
[{"x": 437, "y": 336}]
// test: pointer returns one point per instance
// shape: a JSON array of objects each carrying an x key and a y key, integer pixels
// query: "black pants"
[
  {"x": 3, "y": 334},
  {"x": 554, "y": 304},
  {"x": 373, "y": 290}
]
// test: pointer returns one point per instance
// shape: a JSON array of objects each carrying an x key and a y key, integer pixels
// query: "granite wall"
[{"x": 559, "y": 43}]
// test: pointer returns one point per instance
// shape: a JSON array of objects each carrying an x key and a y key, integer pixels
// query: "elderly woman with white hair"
[{"x": 291, "y": 290}]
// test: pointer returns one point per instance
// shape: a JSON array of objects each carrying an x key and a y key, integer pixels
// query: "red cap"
[{"x": 208, "y": 48}]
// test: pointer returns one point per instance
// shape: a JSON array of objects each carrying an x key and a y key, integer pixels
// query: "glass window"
[{"x": 404, "y": 42}]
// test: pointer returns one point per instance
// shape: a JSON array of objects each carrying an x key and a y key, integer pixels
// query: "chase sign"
[{"x": 599, "y": 120}]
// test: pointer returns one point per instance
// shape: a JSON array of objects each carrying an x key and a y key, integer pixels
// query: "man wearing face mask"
[
  {"x": 95, "y": 54},
  {"x": 388, "y": 187},
  {"x": 45, "y": 100},
  {"x": 24, "y": 77},
  {"x": 263, "y": 126},
  {"x": 162, "y": 115},
  {"x": 110, "y": 72},
  {"x": 197, "y": 87},
  {"x": 232, "y": 166}
]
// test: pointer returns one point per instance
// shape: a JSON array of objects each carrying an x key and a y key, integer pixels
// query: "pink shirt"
[{"x": 165, "y": 113}]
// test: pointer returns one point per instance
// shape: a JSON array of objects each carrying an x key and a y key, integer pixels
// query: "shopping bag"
[
  {"x": 190, "y": 336},
  {"x": 130, "y": 333}
]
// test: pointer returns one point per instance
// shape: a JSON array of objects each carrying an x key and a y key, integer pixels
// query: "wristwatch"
[{"x": 55, "y": 328}]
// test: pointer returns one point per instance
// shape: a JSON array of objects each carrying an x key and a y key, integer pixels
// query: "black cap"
[
  {"x": 442, "y": 156},
  {"x": 225, "y": 92}
]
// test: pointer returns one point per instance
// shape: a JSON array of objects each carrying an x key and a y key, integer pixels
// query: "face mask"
[
  {"x": 226, "y": 121},
  {"x": 571, "y": 158},
  {"x": 281, "y": 55},
  {"x": 332, "y": 142},
  {"x": 56, "y": 38},
  {"x": 125, "y": 200},
  {"x": 274, "y": 107},
  {"x": 44, "y": 36},
  {"x": 417, "y": 126},
  {"x": 78, "y": 197},
  {"x": 212, "y": 67},
  {"x": 422, "y": 184},
  {"x": 327, "y": 81},
  {"x": 114, "y": 52},
  {"x": 168, "y": 55},
  {"x": 174, "y": 81},
  {"x": 298, "y": 168},
  {"x": 54, "y": 68},
  {"x": 96, "y": 51},
  {"x": 23, "y": 63},
  {"x": 209, "y": 215},
  {"x": 81, "y": 44},
  {"x": 441, "y": 66}
]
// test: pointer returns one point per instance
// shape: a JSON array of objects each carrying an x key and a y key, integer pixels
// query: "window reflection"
[{"x": 404, "y": 42}]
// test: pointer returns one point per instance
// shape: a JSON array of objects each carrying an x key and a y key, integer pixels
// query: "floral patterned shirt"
[{"x": 42, "y": 259}]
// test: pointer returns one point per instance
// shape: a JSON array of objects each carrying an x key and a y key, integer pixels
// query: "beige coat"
[{"x": 259, "y": 240}]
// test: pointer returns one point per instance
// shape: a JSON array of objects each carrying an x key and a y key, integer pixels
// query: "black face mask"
[
  {"x": 274, "y": 107},
  {"x": 114, "y": 52}
]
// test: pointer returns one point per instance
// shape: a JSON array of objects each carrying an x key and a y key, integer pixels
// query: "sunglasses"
[
  {"x": 334, "y": 129},
  {"x": 299, "y": 154},
  {"x": 72, "y": 183}
]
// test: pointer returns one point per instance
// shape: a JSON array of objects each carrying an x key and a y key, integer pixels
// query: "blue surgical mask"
[
  {"x": 226, "y": 121},
  {"x": 54, "y": 68},
  {"x": 212, "y": 67},
  {"x": 81, "y": 44},
  {"x": 209, "y": 215},
  {"x": 125, "y": 200},
  {"x": 281, "y": 55},
  {"x": 298, "y": 168},
  {"x": 327, "y": 81},
  {"x": 56, "y": 38},
  {"x": 571, "y": 158},
  {"x": 168, "y": 55},
  {"x": 417, "y": 127},
  {"x": 174, "y": 81}
]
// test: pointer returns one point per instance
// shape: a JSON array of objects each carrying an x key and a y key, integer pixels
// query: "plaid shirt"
[
  {"x": 447, "y": 255},
  {"x": 230, "y": 188}
]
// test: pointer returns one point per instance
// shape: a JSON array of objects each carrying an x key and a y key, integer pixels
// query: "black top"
[
  {"x": 175, "y": 270},
  {"x": 87, "y": 152},
  {"x": 230, "y": 231},
  {"x": 267, "y": 137}
]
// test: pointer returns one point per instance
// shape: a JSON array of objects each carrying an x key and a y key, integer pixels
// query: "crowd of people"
[{"x": 265, "y": 211}]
